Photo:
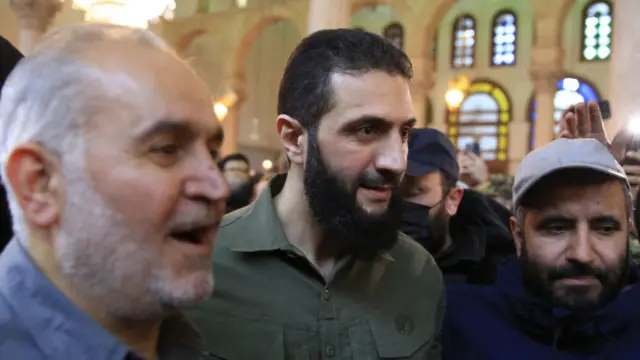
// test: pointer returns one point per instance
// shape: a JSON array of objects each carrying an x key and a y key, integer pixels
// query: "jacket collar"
[
  {"x": 263, "y": 230},
  {"x": 55, "y": 323},
  {"x": 475, "y": 227},
  {"x": 542, "y": 317}
]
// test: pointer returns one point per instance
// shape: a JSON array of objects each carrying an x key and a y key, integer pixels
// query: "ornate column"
[
  {"x": 34, "y": 17},
  {"x": 329, "y": 14},
  {"x": 421, "y": 84},
  {"x": 230, "y": 124},
  {"x": 546, "y": 70},
  {"x": 623, "y": 83}
]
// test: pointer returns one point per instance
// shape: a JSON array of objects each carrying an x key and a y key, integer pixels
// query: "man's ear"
[
  {"x": 293, "y": 138},
  {"x": 35, "y": 179},
  {"x": 454, "y": 197},
  {"x": 517, "y": 234}
]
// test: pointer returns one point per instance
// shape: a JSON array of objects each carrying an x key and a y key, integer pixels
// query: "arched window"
[
  {"x": 394, "y": 32},
  {"x": 463, "y": 54},
  {"x": 597, "y": 32},
  {"x": 570, "y": 91},
  {"x": 503, "y": 52},
  {"x": 483, "y": 116}
]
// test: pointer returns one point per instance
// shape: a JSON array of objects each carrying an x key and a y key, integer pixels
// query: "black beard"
[
  {"x": 438, "y": 230},
  {"x": 335, "y": 208},
  {"x": 538, "y": 279}
]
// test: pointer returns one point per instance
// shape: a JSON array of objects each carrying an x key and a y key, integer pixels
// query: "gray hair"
[{"x": 50, "y": 94}]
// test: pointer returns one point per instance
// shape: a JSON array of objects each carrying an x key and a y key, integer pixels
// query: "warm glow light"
[
  {"x": 454, "y": 98},
  {"x": 634, "y": 126},
  {"x": 222, "y": 105},
  {"x": 241, "y": 3},
  {"x": 456, "y": 93},
  {"x": 221, "y": 110},
  {"x": 267, "y": 165},
  {"x": 134, "y": 13}
]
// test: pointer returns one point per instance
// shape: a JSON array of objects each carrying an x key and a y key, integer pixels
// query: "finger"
[
  {"x": 631, "y": 170},
  {"x": 563, "y": 118},
  {"x": 632, "y": 155},
  {"x": 595, "y": 121},
  {"x": 633, "y": 179},
  {"x": 568, "y": 127},
  {"x": 583, "y": 119}
]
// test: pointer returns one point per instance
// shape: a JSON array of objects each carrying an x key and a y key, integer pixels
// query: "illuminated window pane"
[
  {"x": 479, "y": 120},
  {"x": 464, "y": 41},
  {"x": 598, "y": 28},
  {"x": 570, "y": 91},
  {"x": 504, "y": 39}
]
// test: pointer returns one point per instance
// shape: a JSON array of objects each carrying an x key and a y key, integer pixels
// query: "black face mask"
[{"x": 415, "y": 221}]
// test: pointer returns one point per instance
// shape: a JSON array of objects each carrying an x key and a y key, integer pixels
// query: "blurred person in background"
[
  {"x": 572, "y": 292},
  {"x": 467, "y": 232},
  {"x": 107, "y": 145},
  {"x": 237, "y": 170},
  {"x": 473, "y": 169},
  {"x": 9, "y": 57}
]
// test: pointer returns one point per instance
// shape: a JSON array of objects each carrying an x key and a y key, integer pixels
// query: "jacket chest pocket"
[
  {"x": 401, "y": 338},
  {"x": 232, "y": 337}
]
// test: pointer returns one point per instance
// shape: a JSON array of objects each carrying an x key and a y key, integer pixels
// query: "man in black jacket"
[
  {"x": 466, "y": 232},
  {"x": 9, "y": 57}
]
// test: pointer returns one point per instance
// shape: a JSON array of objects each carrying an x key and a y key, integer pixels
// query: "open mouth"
[{"x": 196, "y": 236}]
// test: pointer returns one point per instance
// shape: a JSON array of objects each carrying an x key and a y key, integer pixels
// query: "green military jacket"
[{"x": 270, "y": 304}]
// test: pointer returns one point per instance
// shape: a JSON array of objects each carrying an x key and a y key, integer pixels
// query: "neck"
[
  {"x": 301, "y": 229},
  {"x": 141, "y": 336}
]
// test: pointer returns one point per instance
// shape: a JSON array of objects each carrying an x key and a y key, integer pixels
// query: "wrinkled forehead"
[
  {"x": 145, "y": 86},
  {"x": 581, "y": 201}
]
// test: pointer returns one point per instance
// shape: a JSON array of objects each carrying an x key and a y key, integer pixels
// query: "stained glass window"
[
  {"x": 483, "y": 117},
  {"x": 570, "y": 91},
  {"x": 598, "y": 27},
  {"x": 394, "y": 32},
  {"x": 504, "y": 39},
  {"x": 464, "y": 42}
]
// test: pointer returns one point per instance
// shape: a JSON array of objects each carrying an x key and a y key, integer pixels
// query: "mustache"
[
  {"x": 203, "y": 217},
  {"x": 574, "y": 270},
  {"x": 379, "y": 179}
]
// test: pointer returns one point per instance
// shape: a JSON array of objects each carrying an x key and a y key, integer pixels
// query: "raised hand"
[{"x": 584, "y": 120}]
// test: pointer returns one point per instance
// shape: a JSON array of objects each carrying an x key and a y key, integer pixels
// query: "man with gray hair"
[
  {"x": 107, "y": 144},
  {"x": 573, "y": 292}
]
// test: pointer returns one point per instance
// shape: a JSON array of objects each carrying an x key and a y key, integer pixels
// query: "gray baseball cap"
[{"x": 563, "y": 154}]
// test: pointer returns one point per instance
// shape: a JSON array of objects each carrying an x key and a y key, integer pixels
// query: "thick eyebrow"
[
  {"x": 165, "y": 126},
  {"x": 377, "y": 121},
  {"x": 181, "y": 128}
]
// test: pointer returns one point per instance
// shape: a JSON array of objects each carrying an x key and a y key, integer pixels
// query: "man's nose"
[
  {"x": 392, "y": 155},
  {"x": 581, "y": 245},
  {"x": 208, "y": 182}
]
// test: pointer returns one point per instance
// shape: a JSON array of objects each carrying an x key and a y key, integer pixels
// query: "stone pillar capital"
[
  {"x": 546, "y": 67},
  {"x": 35, "y": 14},
  {"x": 423, "y": 76}
]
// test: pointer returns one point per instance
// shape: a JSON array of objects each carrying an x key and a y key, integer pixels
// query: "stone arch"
[
  {"x": 187, "y": 39},
  {"x": 399, "y": 6},
  {"x": 255, "y": 29}
]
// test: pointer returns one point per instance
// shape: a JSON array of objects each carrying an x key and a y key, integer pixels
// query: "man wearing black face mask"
[{"x": 467, "y": 232}]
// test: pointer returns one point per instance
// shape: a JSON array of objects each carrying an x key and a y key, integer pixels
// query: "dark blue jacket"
[{"x": 503, "y": 322}]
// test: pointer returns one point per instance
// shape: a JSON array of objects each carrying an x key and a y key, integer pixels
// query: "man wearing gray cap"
[{"x": 572, "y": 292}]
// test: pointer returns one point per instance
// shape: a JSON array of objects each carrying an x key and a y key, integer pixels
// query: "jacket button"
[
  {"x": 330, "y": 351},
  {"x": 326, "y": 295}
]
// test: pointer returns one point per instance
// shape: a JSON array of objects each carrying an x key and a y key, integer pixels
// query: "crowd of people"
[{"x": 374, "y": 240}]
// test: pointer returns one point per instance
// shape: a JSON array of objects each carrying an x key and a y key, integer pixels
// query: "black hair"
[
  {"x": 232, "y": 157},
  {"x": 305, "y": 91}
]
